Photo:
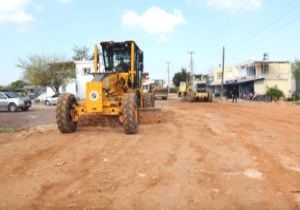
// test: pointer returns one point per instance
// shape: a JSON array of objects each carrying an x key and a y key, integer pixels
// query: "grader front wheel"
[
  {"x": 65, "y": 111},
  {"x": 130, "y": 114}
]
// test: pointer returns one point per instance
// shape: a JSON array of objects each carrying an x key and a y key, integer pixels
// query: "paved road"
[{"x": 35, "y": 116}]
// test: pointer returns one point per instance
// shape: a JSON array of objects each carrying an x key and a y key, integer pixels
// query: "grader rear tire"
[
  {"x": 64, "y": 111},
  {"x": 130, "y": 114}
]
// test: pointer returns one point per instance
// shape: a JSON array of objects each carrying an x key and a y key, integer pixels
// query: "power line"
[
  {"x": 275, "y": 32},
  {"x": 274, "y": 21}
]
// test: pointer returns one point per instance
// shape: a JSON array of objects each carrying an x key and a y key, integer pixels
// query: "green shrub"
[
  {"x": 274, "y": 93},
  {"x": 5, "y": 129},
  {"x": 296, "y": 95},
  {"x": 173, "y": 90}
]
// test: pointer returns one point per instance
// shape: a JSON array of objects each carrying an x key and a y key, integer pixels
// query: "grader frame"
[{"x": 116, "y": 92}]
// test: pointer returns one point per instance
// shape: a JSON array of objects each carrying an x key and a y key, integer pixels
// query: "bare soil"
[
  {"x": 196, "y": 156},
  {"x": 37, "y": 115}
]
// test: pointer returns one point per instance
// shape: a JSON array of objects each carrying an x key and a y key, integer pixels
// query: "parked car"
[
  {"x": 11, "y": 102},
  {"x": 41, "y": 98},
  {"x": 52, "y": 100}
]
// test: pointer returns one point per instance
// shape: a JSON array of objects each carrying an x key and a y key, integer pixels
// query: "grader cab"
[{"x": 116, "y": 92}]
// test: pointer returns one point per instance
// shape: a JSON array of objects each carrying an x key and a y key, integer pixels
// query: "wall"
[
  {"x": 280, "y": 74},
  {"x": 82, "y": 78},
  {"x": 232, "y": 72},
  {"x": 69, "y": 88}
]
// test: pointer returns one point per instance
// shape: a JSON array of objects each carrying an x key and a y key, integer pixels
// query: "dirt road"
[
  {"x": 200, "y": 156},
  {"x": 37, "y": 115}
]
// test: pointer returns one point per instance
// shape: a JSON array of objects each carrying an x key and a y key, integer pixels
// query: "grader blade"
[{"x": 149, "y": 115}]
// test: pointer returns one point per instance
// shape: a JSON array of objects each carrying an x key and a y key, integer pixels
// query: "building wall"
[
  {"x": 69, "y": 88},
  {"x": 260, "y": 87},
  {"x": 83, "y": 76},
  {"x": 232, "y": 72},
  {"x": 279, "y": 74}
]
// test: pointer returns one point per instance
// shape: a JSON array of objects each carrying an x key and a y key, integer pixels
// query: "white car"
[
  {"x": 52, "y": 100},
  {"x": 12, "y": 102}
]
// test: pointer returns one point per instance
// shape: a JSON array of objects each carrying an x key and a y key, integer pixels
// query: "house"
[
  {"x": 76, "y": 86},
  {"x": 83, "y": 75},
  {"x": 254, "y": 77}
]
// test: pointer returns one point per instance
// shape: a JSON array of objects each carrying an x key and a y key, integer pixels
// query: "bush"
[
  {"x": 296, "y": 95},
  {"x": 274, "y": 93},
  {"x": 173, "y": 90}
]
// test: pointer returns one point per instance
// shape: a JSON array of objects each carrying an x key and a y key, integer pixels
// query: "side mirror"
[
  {"x": 141, "y": 66},
  {"x": 141, "y": 58}
]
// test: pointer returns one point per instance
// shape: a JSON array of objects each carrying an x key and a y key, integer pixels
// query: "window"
[
  {"x": 201, "y": 88},
  {"x": 11, "y": 95},
  {"x": 86, "y": 71},
  {"x": 219, "y": 75},
  {"x": 264, "y": 69},
  {"x": 55, "y": 95},
  {"x": 2, "y": 96},
  {"x": 117, "y": 59},
  {"x": 251, "y": 71}
]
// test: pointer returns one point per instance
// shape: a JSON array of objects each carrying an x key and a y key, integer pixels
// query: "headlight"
[{"x": 20, "y": 102}]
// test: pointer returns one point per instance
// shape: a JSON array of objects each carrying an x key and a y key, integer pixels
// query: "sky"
[{"x": 166, "y": 30}]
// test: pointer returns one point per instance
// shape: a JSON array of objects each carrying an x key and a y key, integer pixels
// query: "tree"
[
  {"x": 274, "y": 93},
  {"x": 296, "y": 73},
  {"x": 17, "y": 85},
  {"x": 51, "y": 71},
  {"x": 81, "y": 53},
  {"x": 181, "y": 76}
]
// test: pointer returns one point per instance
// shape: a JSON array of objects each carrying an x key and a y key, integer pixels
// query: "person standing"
[{"x": 234, "y": 95}]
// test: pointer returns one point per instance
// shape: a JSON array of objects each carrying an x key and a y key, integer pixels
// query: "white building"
[
  {"x": 83, "y": 75},
  {"x": 255, "y": 77},
  {"x": 77, "y": 86}
]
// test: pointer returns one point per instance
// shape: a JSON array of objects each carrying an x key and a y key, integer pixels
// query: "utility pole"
[
  {"x": 223, "y": 68},
  {"x": 192, "y": 62},
  {"x": 168, "y": 70}
]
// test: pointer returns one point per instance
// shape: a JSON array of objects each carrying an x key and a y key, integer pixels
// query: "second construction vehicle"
[
  {"x": 115, "y": 93},
  {"x": 197, "y": 89},
  {"x": 156, "y": 87},
  {"x": 159, "y": 91},
  {"x": 182, "y": 89}
]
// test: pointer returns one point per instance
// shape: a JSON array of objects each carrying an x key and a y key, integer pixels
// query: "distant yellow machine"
[
  {"x": 197, "y": 89},
  {"x": 158, "y": 90},
  {"x": 182, "y": 89},
  {"x": 116, "y": 92}
]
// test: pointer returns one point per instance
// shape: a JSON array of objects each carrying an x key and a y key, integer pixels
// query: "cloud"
[
  {"x": 64, "y": 1},
  {"x": 155, "y": 21},
  {"x": 15, "y": 11},
  {"x": 236, "y": 6}
]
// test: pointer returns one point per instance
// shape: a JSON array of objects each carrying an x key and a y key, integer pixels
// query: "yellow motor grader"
[
  {"x": 116, "y": 92},
  {"x": 197, "y": 89}
]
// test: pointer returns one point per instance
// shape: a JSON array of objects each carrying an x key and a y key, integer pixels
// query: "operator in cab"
[{"x": 122, "y": 66}]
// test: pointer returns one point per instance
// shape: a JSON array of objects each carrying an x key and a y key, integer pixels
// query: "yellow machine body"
[
  {"x": 94, "y": 99},
  {"x": 202, "y": 95},
  {"x": 104, "y": 97},
  {"x": 116, "y": 90}
]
